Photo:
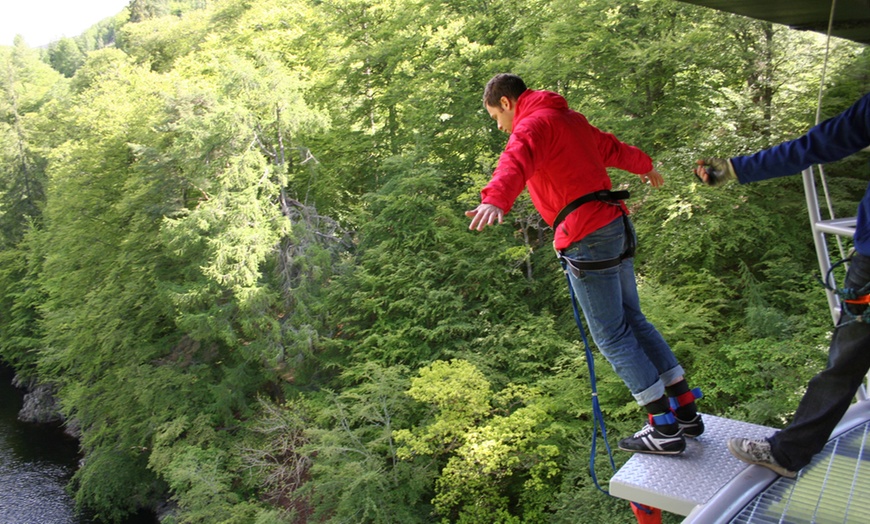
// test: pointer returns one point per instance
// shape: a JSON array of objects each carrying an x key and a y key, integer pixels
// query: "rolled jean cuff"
[
  {"x": 672, "y": 374},
  {"x": 657, "y": 390}
]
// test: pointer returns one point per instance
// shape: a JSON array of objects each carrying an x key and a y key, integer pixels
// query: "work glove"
[{"x": 718, "y": 170}]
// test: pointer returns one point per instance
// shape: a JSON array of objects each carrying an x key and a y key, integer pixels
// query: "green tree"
[
  {"x": 356, "y": 472},
  {"x": 484, "y": 439},
  {"x": 147, "y": 9},
  {"x": 27, "y": 88},
  {"x": 186, "y": 202},
  {"x": 103, "y": 321},
  {"x": 65, "y": 56}
]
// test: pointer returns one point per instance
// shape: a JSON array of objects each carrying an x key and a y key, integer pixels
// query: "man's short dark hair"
[{"x": 503, "y": 84}]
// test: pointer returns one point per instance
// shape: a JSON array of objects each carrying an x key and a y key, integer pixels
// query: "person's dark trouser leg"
[{"x": 829, "y": 394}]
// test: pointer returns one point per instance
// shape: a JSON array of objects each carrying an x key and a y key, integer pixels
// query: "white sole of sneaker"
[{"x": 652, "y": 452}]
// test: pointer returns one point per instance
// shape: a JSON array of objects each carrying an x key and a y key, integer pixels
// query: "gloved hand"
[{"x": 714, "y": 171}]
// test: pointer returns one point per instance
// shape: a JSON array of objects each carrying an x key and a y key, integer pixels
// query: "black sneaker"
[
  {"x": 691, "y": 428},
  {"x": 651, "y": 440}
]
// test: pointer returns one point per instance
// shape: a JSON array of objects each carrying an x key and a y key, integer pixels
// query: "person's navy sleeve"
[{"x": 831, "y": 140}]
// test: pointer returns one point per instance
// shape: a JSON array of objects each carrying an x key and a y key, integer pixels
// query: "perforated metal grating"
[{"x": 834, "y": 488}]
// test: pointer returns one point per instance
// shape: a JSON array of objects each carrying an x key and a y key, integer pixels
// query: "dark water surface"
[{"x": 36, "y": 462}]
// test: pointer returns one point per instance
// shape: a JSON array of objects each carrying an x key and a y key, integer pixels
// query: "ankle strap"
[
  {"x": 663, "y": 419},
  {"x": 686, "y": 398}
]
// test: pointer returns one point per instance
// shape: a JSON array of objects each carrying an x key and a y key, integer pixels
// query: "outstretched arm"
[{"x": 831, "y": 140}]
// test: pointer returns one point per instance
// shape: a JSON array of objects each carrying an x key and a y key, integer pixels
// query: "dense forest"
[{"x": 232, "y": 239}]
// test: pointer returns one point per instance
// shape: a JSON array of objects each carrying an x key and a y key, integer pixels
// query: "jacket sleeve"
[
  {"x": 621, "y": 155},
  {"x": 831, "y": 140},
  {"x": 515, "y": 166}
]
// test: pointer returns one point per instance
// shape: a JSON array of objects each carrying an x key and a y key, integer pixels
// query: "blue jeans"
[
  {"x": 831, "y": 391},
  {"x": 610, "y": 304}
]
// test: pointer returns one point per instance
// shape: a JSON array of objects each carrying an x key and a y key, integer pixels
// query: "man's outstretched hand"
[
  {"x": 484, "y": 215},
  {"x": 653, "y": 178}
]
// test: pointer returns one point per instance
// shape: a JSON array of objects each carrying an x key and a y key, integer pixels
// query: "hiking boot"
[
  {"x": 757, "y": 452},
  {"x": 651, "y": 440},
  {"x": 691, "y": 428}
]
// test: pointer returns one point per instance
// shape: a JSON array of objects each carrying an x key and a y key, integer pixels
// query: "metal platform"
[
  {"x": 677, "y": 484},
  {"x": 709, "y": 486}
]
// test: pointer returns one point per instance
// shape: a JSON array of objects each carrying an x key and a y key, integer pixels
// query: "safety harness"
[
  {"x": 604, "y": 195},
  {"x": 609, "y": 197},
  {"x": 850, "y": 296}
]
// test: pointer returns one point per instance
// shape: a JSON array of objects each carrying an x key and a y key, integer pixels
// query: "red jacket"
[{"x": 560, "y": 156}]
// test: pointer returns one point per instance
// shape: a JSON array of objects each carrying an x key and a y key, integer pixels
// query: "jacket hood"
[{"x": 531, "y": 101}]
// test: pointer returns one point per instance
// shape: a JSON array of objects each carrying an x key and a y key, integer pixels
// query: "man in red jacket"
[{"x": 563, "y": 160}]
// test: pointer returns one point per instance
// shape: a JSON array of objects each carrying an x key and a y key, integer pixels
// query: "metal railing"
[{"x": 843, "y": 227}]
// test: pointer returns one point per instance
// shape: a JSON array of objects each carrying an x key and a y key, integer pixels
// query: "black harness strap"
[
  {"x": 594, "y": 265},
  {"x": 602, "y": 196},
  {"x": 597, "y": 265}
]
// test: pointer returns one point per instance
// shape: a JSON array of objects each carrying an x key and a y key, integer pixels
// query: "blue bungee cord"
[{"x": 597, "y": 415}]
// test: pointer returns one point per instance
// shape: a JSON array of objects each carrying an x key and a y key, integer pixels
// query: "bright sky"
[{"x": 41, "y": 22}]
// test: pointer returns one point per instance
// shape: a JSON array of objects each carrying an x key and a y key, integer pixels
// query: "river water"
[{"x": 36, "y": 463}]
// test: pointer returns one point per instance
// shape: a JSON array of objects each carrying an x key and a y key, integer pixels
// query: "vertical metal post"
[{"x": 819, "y": 238}]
